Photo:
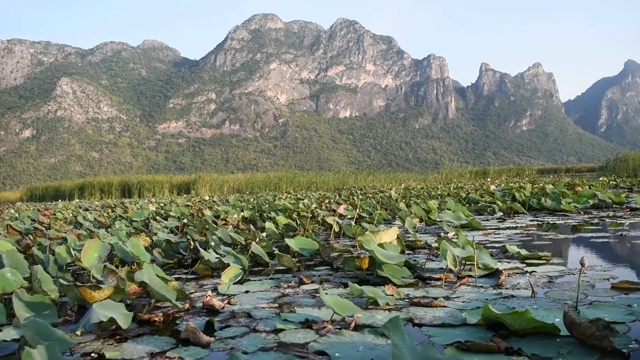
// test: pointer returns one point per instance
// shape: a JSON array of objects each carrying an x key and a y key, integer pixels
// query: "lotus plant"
[{"x": 583, "y": 264}]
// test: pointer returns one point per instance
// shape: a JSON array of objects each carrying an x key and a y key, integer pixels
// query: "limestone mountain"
[
  {"x": 610, "y": 108},
  {"x": 272, "y": 95}
]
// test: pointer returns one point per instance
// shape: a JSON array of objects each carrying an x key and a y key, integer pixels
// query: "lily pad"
[
  {"x": 298, "y": 336},
  {"x": 449, "y": 335},
  {"x": 441, "y": 316},
  {"x": 139, "y": 347},
  {"x": 377, "y": 318},
  {"x": 231, "y": 332},
  {"x": 189, "y": 353},
  {"x": 609, "y": 312},
  {"x": 248, "y": 343},
  {"x": 521, "y": 322},
  {"x": 345, "y": 344}
]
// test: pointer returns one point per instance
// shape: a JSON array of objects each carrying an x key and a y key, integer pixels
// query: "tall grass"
[
  {"x": 626, "y": 164},
  {"x": 144, "y": 186},
  {"x": 10, "y": 196}
]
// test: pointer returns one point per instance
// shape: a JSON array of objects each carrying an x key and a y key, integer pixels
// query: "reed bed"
[{"x": 145, "y": 186}]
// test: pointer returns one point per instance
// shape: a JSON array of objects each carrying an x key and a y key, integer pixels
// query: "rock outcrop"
[{"x": 610, "y": 108}]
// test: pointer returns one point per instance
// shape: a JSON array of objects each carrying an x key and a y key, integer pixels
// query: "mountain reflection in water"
[{"x": 608, "y": 243}]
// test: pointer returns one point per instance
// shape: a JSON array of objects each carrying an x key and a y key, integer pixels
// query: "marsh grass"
[
  {"x": 626, "y": 164},
  {"x": 144, "y": 186},
  {"x": 10, "y": 196}
]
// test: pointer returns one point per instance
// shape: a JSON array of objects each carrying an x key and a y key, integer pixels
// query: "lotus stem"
[
  {"x": 578, "y": 291},
  {"x": 583, "y": 264},
  {"x": 475, "y": 262}
]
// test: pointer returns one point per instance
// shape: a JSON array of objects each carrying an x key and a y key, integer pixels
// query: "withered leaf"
[
  {"x": 477, "y": 346},
  {"x": 463, "y": 281},
  {"x": 501, "y": 278},
  {"x": 426, "y": 302},
  {"x": 304, "y": 280},
  {"x": 195, "y": 336},
  {"x": 595, "y": 333},
  {"x": 211, "y": 303}
]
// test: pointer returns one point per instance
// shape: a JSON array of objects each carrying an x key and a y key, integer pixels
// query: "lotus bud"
[
  {"x": 583, "y": 262},
  {"x": 342, "y": 208}
]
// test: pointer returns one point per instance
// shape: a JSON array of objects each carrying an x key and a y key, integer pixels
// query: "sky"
[{"x": 578, "y": 41}]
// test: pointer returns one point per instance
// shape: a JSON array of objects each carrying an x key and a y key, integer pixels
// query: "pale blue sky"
[{"x": 579, "y": 41}]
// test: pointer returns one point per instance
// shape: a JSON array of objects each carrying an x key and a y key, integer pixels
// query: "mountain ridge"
[{"x": 249, "y": 103}]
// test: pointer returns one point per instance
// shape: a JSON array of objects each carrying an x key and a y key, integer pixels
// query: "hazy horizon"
[{"x": 578, "y": 41}]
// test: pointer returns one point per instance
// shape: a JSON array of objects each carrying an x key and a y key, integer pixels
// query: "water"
[{"x": 609, "y": 240}]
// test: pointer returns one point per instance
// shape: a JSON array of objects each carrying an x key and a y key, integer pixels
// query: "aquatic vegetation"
[{"x": 293, "y": 273}]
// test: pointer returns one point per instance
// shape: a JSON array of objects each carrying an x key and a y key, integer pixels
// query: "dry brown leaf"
[
  {"x": 195, "y": 336},
  {"x": 501, "y": 278},
  {"x": 211, "y": 303},
  {"x": 502, "y": 345},
  {"x": 390, "y": 289},
  {"x": 477, "y": 346},
  {"x": 594, "y": 333},
  {"x": 155, "y": 318},
  {"x": 304, "y": 280},
  {"x": 426, "y": 302},
  {"x": 463, "y": 281},
  {"x": 354, "y": 322}
]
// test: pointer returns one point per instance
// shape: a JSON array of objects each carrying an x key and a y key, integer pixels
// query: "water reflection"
[{"x": 604, "y": 243}]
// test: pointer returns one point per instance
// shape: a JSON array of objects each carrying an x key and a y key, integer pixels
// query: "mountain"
[
  {"x": 610, "y": 108},
  {"x": 273, "y": 95}
]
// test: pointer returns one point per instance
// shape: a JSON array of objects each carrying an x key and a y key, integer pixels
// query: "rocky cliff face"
[
  {"x": 520, "y": 100},
  {"x": 341, "y": 71},
  {"x": 610, "y": 108}
]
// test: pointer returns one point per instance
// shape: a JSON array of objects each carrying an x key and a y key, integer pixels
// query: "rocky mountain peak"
[
  {"x": 437, "y": 66},
  {"x": 263, "y": 21},
  {"x": 535, "y": 76},
  {"x": 490, "y": 81},
  {"x": 152, "y": 43},
  {"x": 631, "y": 67}
]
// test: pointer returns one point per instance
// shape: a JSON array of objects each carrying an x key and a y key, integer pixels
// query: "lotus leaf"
[
  {"x": 14, "y": 260},
  {"x": 399, "y": 275},
  {"x": 42, "y": 282},
  {"x": 38, "y": 306},
  {"x": 10, "y": 280},
  {"x": 189, "y": 353},
  {"x": 302, "y": 245},
  {"x": 449, "y": 335},
  {"x": 404, "y": 344},
  {"x": 340, "y": 306},
  {"x": 372, "y": 293},
  {"x": 521, "y": 322},
  {"x": 345, "y": 344},
  {"x": 158, "y": 288},
  {"x": 140, "y": 347},
  {"x": 103, "y": 311},
  {"x": 248, "y": 344},
  {"x": 39, "y": 332}
]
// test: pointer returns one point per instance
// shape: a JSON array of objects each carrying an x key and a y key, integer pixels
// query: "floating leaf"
[
  {"x": 345, "y": 344},
  {"x": 609, "y": 312},
  {"x": 103, "y": 311},
  {"x": 382, "y": 236},
  {"x": 298, "y": 336},
  {"x": 140, "y": 347},
  {"x": 404, "y": 344},
  {"x": 302, "y": 245}
]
